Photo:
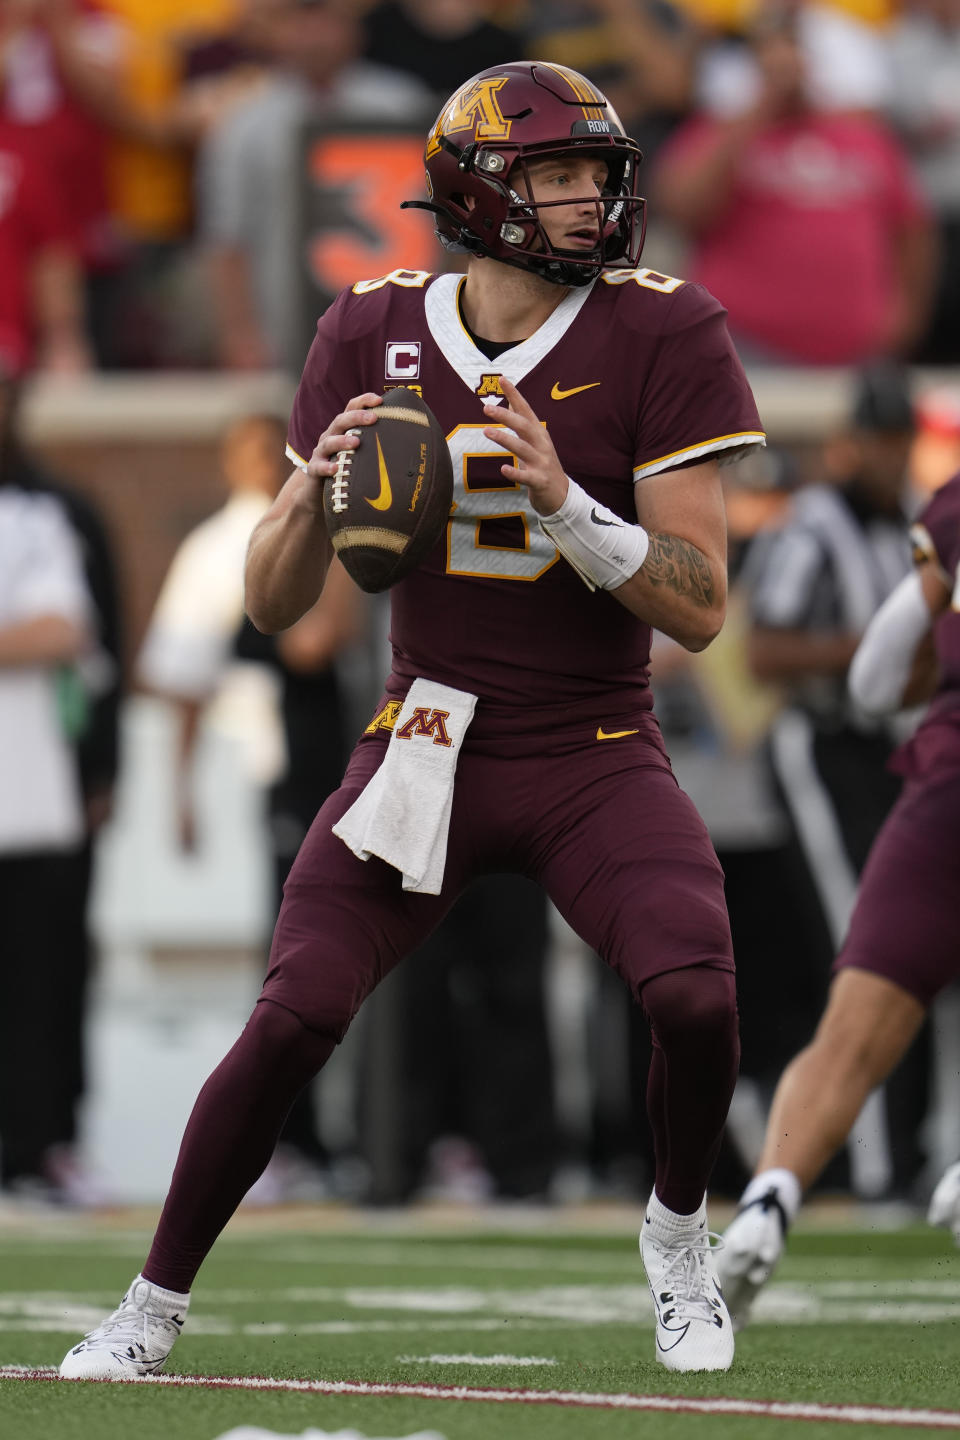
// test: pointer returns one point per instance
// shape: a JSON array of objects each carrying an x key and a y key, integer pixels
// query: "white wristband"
[{"x": 603, "y": 549}]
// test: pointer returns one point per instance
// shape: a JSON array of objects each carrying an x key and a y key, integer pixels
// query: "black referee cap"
[{"x": 882, "y": 398}]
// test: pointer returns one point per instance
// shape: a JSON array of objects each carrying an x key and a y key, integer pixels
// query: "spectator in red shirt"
[
  {"x": 41, "y": 282},
  {"x": 807, "y": 224},
  {"x": 48, "y": 48}
]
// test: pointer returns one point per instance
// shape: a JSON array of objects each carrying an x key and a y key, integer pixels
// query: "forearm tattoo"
[{"x": 681, "y": 567}]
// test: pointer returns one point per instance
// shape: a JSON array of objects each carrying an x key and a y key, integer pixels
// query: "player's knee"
[
  {"x": 277, "y": 1040},
  {"x": 695, "y": 1006},
  {"x": 325, "y": 1014},
  {"x": 318, "y": 975}
]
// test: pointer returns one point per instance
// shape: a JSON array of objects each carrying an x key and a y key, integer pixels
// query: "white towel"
[{"x": 403, "y": 813}]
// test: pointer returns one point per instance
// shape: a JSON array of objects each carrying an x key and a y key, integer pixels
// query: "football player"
[
  {"x": 588, "y": 405},
  {"x": 901, "y": 947}
]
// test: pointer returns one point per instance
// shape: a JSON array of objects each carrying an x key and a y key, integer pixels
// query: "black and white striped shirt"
[{"x": 827, "y": 569}]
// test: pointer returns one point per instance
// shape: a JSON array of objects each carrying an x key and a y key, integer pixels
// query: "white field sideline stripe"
[{"x": 574, "y": 1399}]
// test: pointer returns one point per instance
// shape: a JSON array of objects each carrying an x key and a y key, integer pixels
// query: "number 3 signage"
[{"x": 353, "y": 180}]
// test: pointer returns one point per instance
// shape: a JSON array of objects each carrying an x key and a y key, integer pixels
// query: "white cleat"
[
  {"x": 693, "y": 1327},
  {"x": 132, "y": 1342},
  {"x": 945, "y": 1202},
  {"x": 752, "y": 1245}
]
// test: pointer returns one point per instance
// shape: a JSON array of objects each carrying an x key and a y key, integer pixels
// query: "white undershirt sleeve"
[{"x": 881, "y": 667}]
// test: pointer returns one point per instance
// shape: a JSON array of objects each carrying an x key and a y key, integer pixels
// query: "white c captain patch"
[{"x": 402, "y": 360}]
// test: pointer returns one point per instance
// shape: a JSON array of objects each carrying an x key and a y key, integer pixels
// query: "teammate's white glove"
[{"x": 945, "y": 1202}]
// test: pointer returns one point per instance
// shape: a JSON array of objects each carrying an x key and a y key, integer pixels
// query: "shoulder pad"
[
  {"x": 361, "y": 307},
  {"x": 647, "y": 279},
  {"x": 653, "y": 301}
]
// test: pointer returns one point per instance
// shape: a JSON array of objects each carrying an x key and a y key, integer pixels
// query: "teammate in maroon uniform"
[
  {"x": 587, "y": 410},
  {"x": 902, "y": 946}
]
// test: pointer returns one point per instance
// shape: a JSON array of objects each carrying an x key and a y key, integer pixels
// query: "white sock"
[
  {"x": 783, "y": 1182},
  {"x": 163, "y": 1302},
  {"x": 667, "y": 1226}
]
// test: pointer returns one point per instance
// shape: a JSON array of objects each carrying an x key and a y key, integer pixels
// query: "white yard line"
[
  {"x": 573, "y": 1399},
  {"x": 360, "y": 1309},
  {"x": 475, "y": 1360},
  {"x": 201, "y": 1326}
]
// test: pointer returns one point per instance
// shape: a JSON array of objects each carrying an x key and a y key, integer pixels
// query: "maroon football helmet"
[{"x": 484, "y": 139}]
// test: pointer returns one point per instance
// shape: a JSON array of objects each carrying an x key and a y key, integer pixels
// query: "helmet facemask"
[
  {"x": 617, "y": 211},
  {"x": 506, "y": 226}
]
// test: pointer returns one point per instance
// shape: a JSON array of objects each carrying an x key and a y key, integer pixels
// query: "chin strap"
[
  {"x": 467, "y": 244},
  {"x": 424, "y": 205}
]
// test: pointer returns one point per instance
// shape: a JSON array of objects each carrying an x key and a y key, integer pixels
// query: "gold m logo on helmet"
[{"x": 475, "y": 108}]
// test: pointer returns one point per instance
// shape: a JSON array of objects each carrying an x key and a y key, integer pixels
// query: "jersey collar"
[{"x": 458, "y": 349}]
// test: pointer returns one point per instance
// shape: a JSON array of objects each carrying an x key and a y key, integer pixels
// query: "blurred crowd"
[{"x": 802, "y": 159}]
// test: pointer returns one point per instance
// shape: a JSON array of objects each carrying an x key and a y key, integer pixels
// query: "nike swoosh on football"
[
  {"x": 385, "y": 499},
  {"x": 557, "y": 394},
  {"x": 614, "y": 734}
]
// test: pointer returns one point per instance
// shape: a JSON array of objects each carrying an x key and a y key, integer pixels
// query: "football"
[{"x": 389, "y": 500}]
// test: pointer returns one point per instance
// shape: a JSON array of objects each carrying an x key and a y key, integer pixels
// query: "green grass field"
[{"x": 855, "y": 1318}]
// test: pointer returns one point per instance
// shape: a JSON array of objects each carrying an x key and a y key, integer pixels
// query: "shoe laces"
[
  {"x": 687, "y": 1280},
  {"x": 127, "y": 1317},
  {"x": 132, "y": 1321}
]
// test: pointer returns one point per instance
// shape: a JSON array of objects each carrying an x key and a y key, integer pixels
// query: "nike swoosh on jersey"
[
  {"x": 557, "y": 394},
  {"x": 385, "y": 499},
  {"x": 614, "y": 734}
]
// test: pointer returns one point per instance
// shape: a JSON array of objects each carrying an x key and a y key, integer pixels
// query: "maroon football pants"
[
  {"x": 904, "y": 924},
  {"x": 603, "y": 826}
]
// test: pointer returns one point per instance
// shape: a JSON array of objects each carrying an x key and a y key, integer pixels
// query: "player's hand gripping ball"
[{"x": 388, "y": 502}]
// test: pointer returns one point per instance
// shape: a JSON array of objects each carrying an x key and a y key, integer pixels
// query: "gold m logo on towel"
[
  {"x": 426, "y": 722},
  {"x": 386, "y": 718}
]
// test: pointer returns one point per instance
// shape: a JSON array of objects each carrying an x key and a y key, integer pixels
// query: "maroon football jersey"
[
  {"x": 936, "y": 537},
  {"x": 633, "y": 375}
]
